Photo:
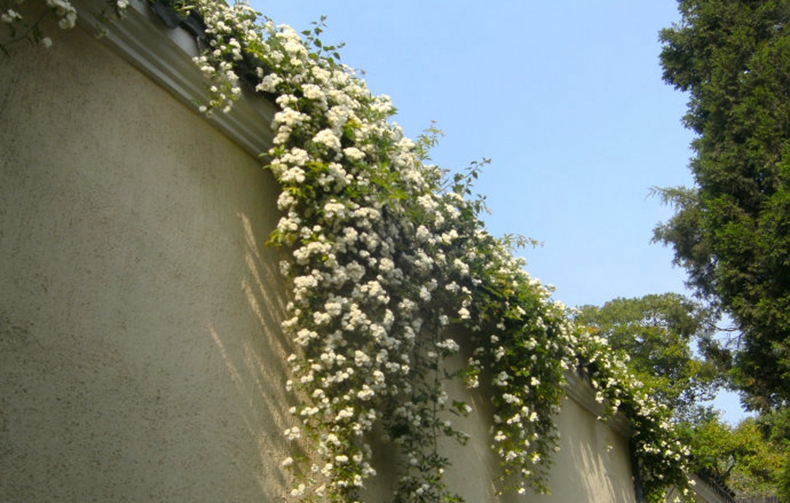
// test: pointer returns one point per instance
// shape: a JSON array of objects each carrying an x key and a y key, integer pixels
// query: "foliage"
[
  {"x": 747, "y": 460},
  {"x": 524, "y": 345},
  {"x": 730, "y": 231},
  {"x": 775, "y": 427},
  {"x": 656, "y": 331},
  {"x": 386, "y": 252}
]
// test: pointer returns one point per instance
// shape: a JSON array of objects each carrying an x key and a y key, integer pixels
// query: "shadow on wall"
[
  {"x": 259, "y": 369},
  {"x": 588, "y": 451},
  {"x": 595, "y": 454}
]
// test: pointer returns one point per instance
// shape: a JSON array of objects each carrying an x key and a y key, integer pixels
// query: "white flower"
[
  {"x": 425, "y": 294},
  {"x": 287, "y": 117},
  {"x": 366, "y": 393},
  {"x": 450, "y": 345},
  {"x": 510, "y": 398},
  {"x": 61, "y": 7},
  {"x": 354, "y": 154},
  {"x": 313, "y": 92},
  {"x": 374, "y": 290},
  {"x": 334, "y": 208},
  {"x": 11, "y": 16},
  {"x": 427, "y": 202},
  {"x": 298, "y": 491},
  {"x": 333, "y": 308},
  {"x": 447, "y": 238},
  {"x": 346, "y": 413},
  {"x": 321, "y": 318},
  {"x": 423, "y": 233},
  {"x": 360, "y": 358},
  {"x": 295, "y": 174},
  {"x": 269, "y": 83},
  {"x": 501, "y": 379},
  {"x": 328, "y": 138},
  {"x": 68, "y": 21}
]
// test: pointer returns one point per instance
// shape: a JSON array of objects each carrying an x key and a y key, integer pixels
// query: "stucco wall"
[
  {"x": 138, "y": 356},
  {"x": 593, "y": 463}
]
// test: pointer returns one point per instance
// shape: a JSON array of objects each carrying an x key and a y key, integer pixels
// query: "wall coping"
[{"x": 165, "y": 55}]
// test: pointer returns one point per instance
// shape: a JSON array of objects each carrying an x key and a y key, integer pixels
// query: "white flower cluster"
[
  {"x": 525, "y": 342},
  {"x": 19, "y": 28},
  {"x": 376, "y": 271},
  {"x": 64, "y": 11},
  {"x": 231, "y": 31},
  {"x": 11, "y": 16}
]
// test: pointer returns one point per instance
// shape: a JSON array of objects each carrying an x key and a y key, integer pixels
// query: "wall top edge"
[{"x": 165, "y": 55}]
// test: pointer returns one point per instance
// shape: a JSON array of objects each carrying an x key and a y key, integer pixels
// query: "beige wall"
[
  {"x": 139, "y": 353},
  {"x": 138, "y": 356},
  {"x": 593, "y": 463}
]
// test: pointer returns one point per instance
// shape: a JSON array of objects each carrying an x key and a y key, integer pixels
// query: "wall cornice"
[{"x": 165, "y": 55}]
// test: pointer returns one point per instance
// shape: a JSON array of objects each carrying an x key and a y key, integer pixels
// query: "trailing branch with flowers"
[
  {"x": 31, "y": 27},
  {"x": 388, "y": 251}
]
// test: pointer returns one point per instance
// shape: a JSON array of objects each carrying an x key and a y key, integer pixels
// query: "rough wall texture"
[
  {"x": 593, "y": 463},
  {"x": 138, "y": 360},
  {"x": 139, "y": 353}
]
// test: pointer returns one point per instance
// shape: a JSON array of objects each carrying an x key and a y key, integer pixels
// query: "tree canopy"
[
  {"x": 731, "y": 231},
  {"x": 747, "y": 460},
  {"x": 656, "y": 332}
]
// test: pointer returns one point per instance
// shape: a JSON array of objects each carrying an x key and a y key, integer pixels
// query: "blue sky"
[{"x": 566, "y": 99}]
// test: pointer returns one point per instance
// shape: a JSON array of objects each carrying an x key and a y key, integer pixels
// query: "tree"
[
  {"x": 656, "y": 332},
  {"x": 748, "y": 461},
  {"x": 731, "y": 231}
]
